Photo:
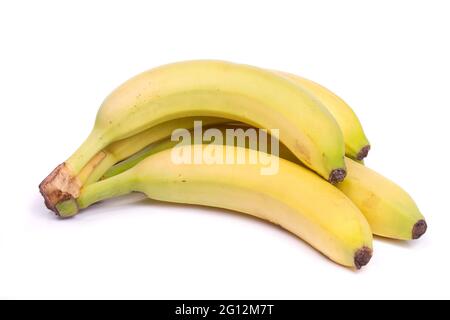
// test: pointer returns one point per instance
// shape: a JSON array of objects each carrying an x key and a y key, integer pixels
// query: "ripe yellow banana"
[
  {"x": 390, "y": 211},
  {"x": 295, "y": 198},
  {"x": 356, "y": 144},
  {"x": 208, "y": 88}
]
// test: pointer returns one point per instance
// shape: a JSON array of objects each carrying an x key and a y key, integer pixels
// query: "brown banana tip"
[
  {"x": 337, "y": 175},
  {"x": 363, "y": 153},
  {"x": 419, "y": 229},
  {"x": 362, "y": 257},
  {"x": 58, "y": 187}
]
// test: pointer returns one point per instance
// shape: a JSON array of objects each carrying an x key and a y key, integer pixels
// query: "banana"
[
  {"x": 314, "y": 210},
  {"x": 390, "y": 211},
  {"x": 208, "y": 88},
  {"x": 357, "y": 145}
]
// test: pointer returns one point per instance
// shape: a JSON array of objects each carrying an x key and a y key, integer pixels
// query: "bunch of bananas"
[{"x": 321, "y": 191}]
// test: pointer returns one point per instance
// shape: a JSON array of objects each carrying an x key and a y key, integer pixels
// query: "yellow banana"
[
  {"x": 208, "y": 88},
  {"x": 390, "y": 211},
  {"x": 295, "y": 198},
  {"x": 356, "y": 144}
]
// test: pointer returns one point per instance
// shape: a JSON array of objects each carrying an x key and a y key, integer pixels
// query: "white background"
[{"x": 58, "y": 59}]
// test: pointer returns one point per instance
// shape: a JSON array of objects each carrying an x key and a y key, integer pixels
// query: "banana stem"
[
  {"x": 92, "y": 165},
  {"x": 102, "y": 167},
  {"x": 90, "y": 147},
  {"x": 119, "y": 185},
  {"x": 138, "y": 157},
  {"x": 62, "y": 186},
  {"x": 114, "y": 170}
]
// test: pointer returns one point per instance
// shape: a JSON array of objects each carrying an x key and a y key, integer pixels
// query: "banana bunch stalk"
[{"x": 320, "y": 192}]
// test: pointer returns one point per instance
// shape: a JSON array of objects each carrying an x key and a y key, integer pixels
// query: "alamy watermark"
[{"x": 254, "y": 147}]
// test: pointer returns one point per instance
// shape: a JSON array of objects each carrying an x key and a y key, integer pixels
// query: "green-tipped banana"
[
  {"x": 356, "y": 144},
  {"x": 295, "y": 198},
  {"x": 390, "y": 211},
  {"x": 208, "y": 88}
]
